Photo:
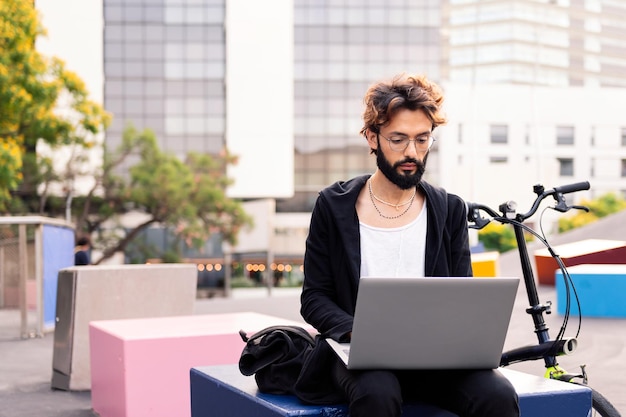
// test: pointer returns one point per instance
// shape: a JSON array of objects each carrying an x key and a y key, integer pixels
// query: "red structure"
[{"x": 590, "y": 251}]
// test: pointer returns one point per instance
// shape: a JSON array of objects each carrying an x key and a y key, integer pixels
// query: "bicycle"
[{"x": 547, "y": 349}]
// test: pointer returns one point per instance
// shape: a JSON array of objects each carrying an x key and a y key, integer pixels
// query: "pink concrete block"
[{"x": 140, "y": 367}]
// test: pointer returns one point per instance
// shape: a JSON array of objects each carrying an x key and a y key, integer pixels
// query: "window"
[
  {"x": 499, "y": 133},
  {"x": 498, "y": 159},
  {"x": 593, "y": 136},
  {"x": 565, "y": 135},
  {"x": 566, "y": 167},
  {"x": 623, "y": 168},
  {"x": 527, "y": 135},
  {"x": 592, "y": 168},
  {"x": 624, "y": 136}
]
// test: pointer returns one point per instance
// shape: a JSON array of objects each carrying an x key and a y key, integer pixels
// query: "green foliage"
[
  {"x": 138, "y": 252},
  {"x": 497, "y": 237},
  {"x": 31, "y": 88},
  {"x": 602, "y": 206},
  {"x": 189, "y": 197},
  {"x": 171, "y": 257},
  {"x": 10, "y": 169},
  {"x": 242, "y": 282}
]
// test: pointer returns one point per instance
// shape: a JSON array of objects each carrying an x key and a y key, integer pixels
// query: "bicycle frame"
[
  {"x": 546, "y": 349},
  {"x": 536, "y": 309}
]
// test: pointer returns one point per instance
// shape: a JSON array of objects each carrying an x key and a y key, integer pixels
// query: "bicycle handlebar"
[
  {"x": 508, "y": 208},
  {"x": 572, "y": 188}
]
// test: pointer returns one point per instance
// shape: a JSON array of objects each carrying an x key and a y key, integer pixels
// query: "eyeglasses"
[{"x": 400, "y": 143}]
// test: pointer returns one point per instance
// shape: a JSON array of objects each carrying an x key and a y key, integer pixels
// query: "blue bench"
[
  {"x": 601, "y": 289},
  {"x": 222, "y": 391}
]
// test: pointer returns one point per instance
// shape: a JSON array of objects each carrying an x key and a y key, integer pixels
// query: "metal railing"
[{"x": 32, "y": 250}]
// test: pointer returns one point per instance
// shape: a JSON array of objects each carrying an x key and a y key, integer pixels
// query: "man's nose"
[{"x": 411, "y": 149}]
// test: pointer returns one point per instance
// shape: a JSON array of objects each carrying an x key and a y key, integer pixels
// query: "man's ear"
[{"x": 372, "y": 139}]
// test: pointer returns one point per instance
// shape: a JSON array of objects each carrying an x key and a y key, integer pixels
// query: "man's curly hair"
[{"x": 385, "y": 98}]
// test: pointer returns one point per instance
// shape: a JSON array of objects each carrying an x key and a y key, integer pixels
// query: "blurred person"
[{"x": 82, "y": 251}]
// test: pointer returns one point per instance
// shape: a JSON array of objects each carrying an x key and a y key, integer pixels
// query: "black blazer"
[{"x": 333, "y": 255}]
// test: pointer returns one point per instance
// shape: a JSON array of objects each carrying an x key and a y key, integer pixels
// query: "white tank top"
[{"x": 394, "y": 252}]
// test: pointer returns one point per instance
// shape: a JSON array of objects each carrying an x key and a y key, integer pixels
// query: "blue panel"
[
  {"x": 209, "y": 398},
  {"x": 561, "y": 295},
  {"x": 58, "y": 253},
  {"x": 221, "y": 391},
  {"x": 602, "y": 292},
  {"x": 556, "y": 404}
]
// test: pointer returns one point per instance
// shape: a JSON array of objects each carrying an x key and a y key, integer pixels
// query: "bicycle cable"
[
  {"x": 567, "y": 279},
  {"x": 558, "y": 259}
]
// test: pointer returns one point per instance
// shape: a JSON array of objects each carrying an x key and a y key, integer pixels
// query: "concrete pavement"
[{"x": 25, "y": 365}]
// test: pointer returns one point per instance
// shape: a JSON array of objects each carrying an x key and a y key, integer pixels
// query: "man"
[
  {"x": 81, "y": 251},
  {"x": 393, "y": 223}
]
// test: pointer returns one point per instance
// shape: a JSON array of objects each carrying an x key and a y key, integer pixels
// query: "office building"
[
  {"x": 533, "y": 91},
  {"x": 196, "y": 72},
  {"x": 341, "y": 47},
  {"x": 540, "y": 42},
  {"x": 167, "y": 64},
  {"x": 502, "y": 139}
]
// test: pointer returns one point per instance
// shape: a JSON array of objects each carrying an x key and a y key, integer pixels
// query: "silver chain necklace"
[
  {"x": 396, "y": 206},
  {"x": 373, "y": 198}
]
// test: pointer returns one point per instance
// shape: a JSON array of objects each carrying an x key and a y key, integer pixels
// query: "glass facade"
[
  {"x": 341, "y": 46},
  {"x": 164, "y": 70},
  {"x": 165, "y": 64},
  {"x": 555, "y": 43}
]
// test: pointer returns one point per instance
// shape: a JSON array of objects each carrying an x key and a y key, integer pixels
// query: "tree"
[
  {"x": 602, "y": 206},
  {"x": 10, "y": 165},
  {"x": 187, "y": 196},
  {"x": 498, "y": 237},
  {"x": 33, "y": 90}
]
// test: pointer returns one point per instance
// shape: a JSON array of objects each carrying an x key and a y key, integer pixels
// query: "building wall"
[
  {"x": 491, "y": 173},
  {"x": 341, "y": 46},
  {"x": 82, "y": 55},
  {"x": 259, "y": 97},
  {"x": 164, "y": 65},
  {"x": 205, "y": 76},
  {"x": 556, "y": 43}
]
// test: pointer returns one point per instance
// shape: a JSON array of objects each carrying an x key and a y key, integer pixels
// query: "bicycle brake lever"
[
  {"x": 561, "y": 205},
  {"x": 479, "y": 223}
]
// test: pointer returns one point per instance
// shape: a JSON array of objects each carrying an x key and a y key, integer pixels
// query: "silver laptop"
[{"x": 429, "y": 323}]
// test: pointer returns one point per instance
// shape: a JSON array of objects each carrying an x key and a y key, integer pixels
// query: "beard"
[{"x": 403, "y": 179}]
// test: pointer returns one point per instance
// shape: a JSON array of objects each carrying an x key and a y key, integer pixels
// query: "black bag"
[{"x": 275, "y": 356}]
